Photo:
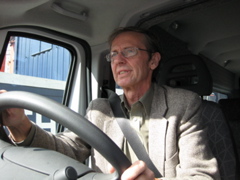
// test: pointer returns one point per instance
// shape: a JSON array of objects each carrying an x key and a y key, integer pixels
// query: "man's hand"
[
  {"x": 17, "y": 122},
  {"x": 137, "y": 171}
]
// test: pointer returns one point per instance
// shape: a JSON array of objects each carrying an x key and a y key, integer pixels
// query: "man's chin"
[{"x": 123, "y": 84}]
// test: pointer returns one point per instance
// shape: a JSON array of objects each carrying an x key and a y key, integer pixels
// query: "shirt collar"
[{"x": 146, "y": 101}]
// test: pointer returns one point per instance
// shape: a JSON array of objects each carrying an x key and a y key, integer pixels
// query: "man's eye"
[
  {"x": 113, "y": 54},
  {"x": 130, "y": 50}
]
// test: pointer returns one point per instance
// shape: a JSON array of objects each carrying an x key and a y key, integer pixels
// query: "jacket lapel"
[
  {"x": 158, "y": 128},
  {"x": 157, "y": 139}
]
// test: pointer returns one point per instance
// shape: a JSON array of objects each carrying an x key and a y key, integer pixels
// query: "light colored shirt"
[{"x": 138, "y": 115}]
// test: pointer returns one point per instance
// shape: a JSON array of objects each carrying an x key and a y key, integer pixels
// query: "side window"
[
  {"x": 118, "y": 90},
  {"x": 36, "y": 66}
]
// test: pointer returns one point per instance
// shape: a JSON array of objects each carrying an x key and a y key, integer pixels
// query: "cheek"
[
  {"x": 143, "y": 67},
  {"x": 113, "y": 68}
]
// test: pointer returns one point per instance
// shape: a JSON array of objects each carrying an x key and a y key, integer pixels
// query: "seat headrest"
[{"x": 187, "y": 72}]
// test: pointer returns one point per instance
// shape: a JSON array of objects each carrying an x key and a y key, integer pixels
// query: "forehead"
[{"x": 128, "y": 39}]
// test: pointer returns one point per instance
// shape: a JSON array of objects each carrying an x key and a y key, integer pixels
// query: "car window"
[
  {"x": 36, "y": 66},
  {"x": 215, "y": 97}
]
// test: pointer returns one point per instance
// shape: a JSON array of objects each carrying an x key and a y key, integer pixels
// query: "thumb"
[{"x": 111, "y": 169}]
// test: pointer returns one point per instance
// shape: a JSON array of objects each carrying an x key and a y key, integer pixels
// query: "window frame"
[{"x": 80, "y": 65}]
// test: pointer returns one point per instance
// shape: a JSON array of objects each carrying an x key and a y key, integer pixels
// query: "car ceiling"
[
  {"x": 211, "y": 28},
  {"x": 102, "y": 16}
]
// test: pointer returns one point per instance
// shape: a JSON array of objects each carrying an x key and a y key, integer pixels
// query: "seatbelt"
[{"x": 129, "y": 132}]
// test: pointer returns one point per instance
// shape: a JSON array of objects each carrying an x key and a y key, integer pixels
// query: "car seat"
[
  {"x": 231, "y": 111},
  {"x": 190, "y": 72}
]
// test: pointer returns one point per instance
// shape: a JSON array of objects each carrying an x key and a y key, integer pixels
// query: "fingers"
[
  {"x": 138, "y": 171},
  {"x": 1, "y": 114},
  {"x": 16, "y": 122},
  {"x": 1, "y": 119},
  {"x": 2, "y": 91},
  {"x": 111, "y": 169},
  {"x": 11, "y": 116}
]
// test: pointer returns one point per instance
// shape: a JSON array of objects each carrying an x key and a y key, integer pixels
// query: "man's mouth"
[{"x": 123, "y": 72}]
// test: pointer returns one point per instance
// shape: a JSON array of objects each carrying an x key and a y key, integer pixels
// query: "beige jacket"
[{"x": 177, "y": 140}]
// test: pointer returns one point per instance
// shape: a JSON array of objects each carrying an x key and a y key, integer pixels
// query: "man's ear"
[{"x": 156, "y": 57}]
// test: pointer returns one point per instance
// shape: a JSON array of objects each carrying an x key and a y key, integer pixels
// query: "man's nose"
[{"x": 120, "y": 58}]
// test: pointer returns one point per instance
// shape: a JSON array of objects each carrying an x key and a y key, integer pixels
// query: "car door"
[{"x": 47, "y": 63}]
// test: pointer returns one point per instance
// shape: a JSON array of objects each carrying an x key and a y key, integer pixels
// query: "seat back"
[
  {"x": 220, "y": 140},
  {"x": 187, "y": 72},
  {"x": 231, "y": 110},
  {"x": 190, "y": 72}
]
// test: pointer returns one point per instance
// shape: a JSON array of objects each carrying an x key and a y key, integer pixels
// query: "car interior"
[{"x": 57, "y": 48}]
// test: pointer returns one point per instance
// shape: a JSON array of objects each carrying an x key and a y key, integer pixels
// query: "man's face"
[{"x": 132, "y": 72}]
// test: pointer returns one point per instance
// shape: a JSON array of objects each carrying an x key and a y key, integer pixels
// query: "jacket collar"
[{"x": 159, "y": 104}]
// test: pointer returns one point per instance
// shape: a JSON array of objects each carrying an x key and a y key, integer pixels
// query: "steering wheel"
[{"x": 35, "y": 161}]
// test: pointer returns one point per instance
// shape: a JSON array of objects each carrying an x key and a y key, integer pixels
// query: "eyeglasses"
[{"x": 127, "y": 52}]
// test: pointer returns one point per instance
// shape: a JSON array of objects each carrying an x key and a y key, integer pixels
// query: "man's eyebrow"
[
  {"x": 111, "y": 51},
  {"x": 123, "y": 48}
]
